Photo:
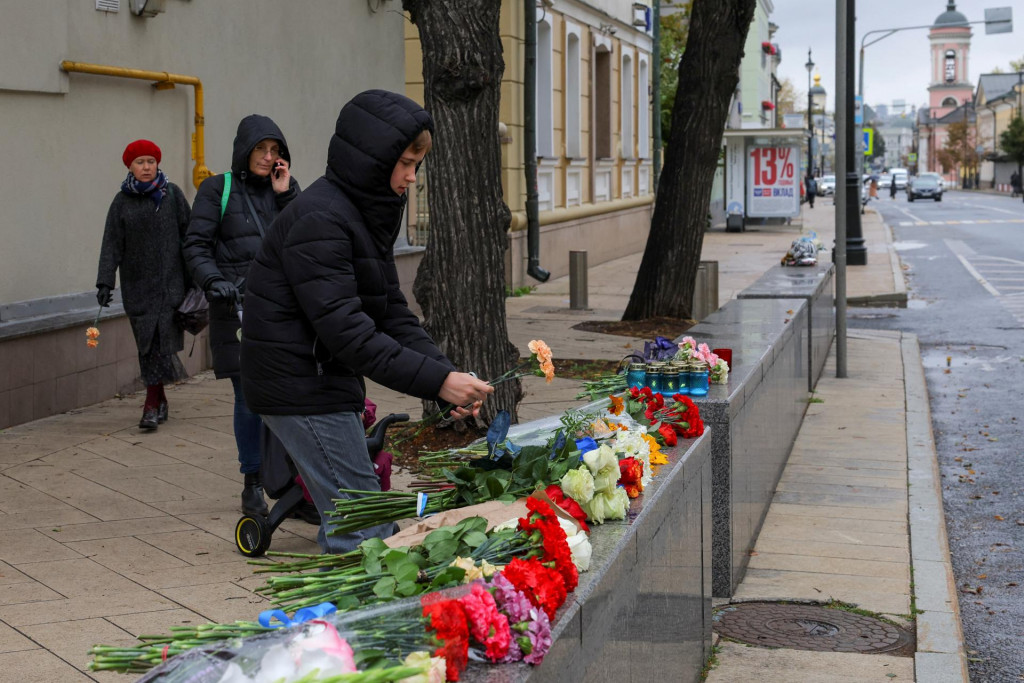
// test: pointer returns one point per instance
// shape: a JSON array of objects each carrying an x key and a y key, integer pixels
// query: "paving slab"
[{"x": 739, "y": 662}]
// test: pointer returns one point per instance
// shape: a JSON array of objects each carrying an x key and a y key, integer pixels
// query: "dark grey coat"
[
  {"x": 145, "y": 244},
  {"x": 219, "y": 248}
]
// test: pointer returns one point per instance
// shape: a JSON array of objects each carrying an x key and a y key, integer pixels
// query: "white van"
[{"x": 899, "y": 176}]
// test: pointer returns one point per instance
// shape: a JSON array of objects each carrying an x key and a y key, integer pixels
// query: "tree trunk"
[
  {"x": 708, "y": 74},
  {"x": 461, "y": 281}
]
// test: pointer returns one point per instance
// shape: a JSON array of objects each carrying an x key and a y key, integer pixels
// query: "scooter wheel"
[{"x": 252, "y": 535}]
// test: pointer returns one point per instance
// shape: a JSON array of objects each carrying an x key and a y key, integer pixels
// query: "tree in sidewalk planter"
[
  {"x": 708, "y": 75},
  {"x": 460, "y": 284},
  {"x": 1011, "y": 141}
]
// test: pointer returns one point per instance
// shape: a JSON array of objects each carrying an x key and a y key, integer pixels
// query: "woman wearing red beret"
[{"x": 142, "y": 238}]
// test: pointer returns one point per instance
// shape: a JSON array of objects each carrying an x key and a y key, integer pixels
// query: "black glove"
[
  {"x": 103, "y": 295},
  {"x": 222, "y": 289}
]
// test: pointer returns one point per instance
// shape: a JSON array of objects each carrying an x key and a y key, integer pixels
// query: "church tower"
[{"x": 950, "y": 38}]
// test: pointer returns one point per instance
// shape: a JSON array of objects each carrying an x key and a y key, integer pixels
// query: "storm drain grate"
[{"x": 810, "y": 627}]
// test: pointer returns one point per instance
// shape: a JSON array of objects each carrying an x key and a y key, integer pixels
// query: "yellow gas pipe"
[{"x": 161, "y": 80}]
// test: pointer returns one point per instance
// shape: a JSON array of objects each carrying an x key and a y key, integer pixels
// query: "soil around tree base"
[{"x": 648, "y": 328}]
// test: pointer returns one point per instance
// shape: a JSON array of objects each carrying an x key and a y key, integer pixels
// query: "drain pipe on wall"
[{"x": 533, "y": 268}]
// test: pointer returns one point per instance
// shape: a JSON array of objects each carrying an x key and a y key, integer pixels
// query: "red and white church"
[{"x": 950, "y": 92}]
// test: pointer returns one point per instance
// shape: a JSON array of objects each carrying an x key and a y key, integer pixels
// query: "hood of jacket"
[
  {"x": 373, "y": 130},
  {"x": 251, "y": 130}
]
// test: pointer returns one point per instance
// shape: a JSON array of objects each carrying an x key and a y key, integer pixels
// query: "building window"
[
  {"x": 573, "y": 96},
  {"x": 545, "y": 119},
  {"x": 950, "y": 66},
  {"x": 602, "y": 102},
  {"x": 949, "y": 102},
  {"x": 626, "y": 106},
  {"x": 644, "y": 107}
]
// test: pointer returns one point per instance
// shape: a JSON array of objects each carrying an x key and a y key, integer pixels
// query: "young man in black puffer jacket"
[{"x": 324, "y": 309}]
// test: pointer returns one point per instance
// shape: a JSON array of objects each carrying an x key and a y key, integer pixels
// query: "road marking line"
[
  {"x": 991, "y": 208},
  {"x": 967, "y": 222},
  {"x": 956, "y": 246},
  {"x": 921, "y": 223},
  {"x": 936, "y": 222},
  {"x": 905, "y": 223}
]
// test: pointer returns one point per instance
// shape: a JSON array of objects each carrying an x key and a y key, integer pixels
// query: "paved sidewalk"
[{"x": 108, "y": 532}]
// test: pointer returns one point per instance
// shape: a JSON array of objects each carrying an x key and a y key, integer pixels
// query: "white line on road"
[
  {"x": 919, "y": 221},
  {"x": 957, "y": 247},
  {"x": 992, "y": 208}
]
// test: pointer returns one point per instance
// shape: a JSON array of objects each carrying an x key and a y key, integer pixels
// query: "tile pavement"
[{"x": 107, "y": 532}]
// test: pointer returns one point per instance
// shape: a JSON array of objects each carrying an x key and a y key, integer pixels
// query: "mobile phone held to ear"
[{"x": 277, "y": 171}]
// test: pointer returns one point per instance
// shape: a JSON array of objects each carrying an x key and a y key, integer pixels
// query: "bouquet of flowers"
[
  {"x": 718, "y": 368},
  {"x": 505, "y": 611}
]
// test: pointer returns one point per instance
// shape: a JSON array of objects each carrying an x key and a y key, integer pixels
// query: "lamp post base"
[{"x": 856, "y": 252}]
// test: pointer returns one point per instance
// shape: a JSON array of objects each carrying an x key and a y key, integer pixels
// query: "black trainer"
[
  {"x": 308, "y": 513},
  {"x": 253, "y": 502}
]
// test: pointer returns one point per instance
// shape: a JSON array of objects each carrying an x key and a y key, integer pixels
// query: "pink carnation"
[{"x": 488, "y": 626}]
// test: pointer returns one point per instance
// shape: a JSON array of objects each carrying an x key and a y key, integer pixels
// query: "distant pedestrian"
[
  {"x": 892, "y": 188},
  {"x": 142, "y": 240},
  {"x": 873, "y": 188},
  {"x": 230, "y": 215},
  {"x": 812, "y": 190},
  {"x": 1015, "y": 184}
]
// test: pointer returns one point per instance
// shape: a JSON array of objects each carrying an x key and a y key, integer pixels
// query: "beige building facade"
[
  {"x": 63, "y": 133},
  {"x": 594, "y": 145}
]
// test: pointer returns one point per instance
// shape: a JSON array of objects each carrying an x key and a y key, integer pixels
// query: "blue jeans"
[
  {"x": 330, "y": 453},
  {"x": 247, "y": 432}
]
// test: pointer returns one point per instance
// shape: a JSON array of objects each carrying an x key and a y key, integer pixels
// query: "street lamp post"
[{"x": 810, "y": 118}]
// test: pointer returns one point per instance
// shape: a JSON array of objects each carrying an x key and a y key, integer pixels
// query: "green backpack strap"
[{"x": 225, "y": 194}]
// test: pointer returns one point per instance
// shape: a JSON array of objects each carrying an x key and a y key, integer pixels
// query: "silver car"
[{"x": 826, "y": 186}]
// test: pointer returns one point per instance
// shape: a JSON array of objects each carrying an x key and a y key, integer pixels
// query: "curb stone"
[{"x": 940, "y": 656}]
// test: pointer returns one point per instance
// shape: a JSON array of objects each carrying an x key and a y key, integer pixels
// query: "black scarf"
[{"x": 136, "y": 187}]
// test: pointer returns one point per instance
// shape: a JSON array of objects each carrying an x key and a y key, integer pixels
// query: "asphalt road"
[{"x": 964, "y": 257}]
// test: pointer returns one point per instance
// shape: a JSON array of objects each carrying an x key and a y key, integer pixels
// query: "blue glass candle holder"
[
  {"x": 684, "y": 377},
  {"x": 669, "y": 381},
  {"x": 699, "y": 380},
  {"x": 636, "y": 375},
  {"x": 652, "y": 378}
]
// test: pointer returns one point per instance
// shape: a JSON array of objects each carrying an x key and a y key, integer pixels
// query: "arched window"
[
  {"x": 949, "y": 102},
  {"x": 626, "y": 105},
  {"x": 545, "y": 118},
  {"x": 572, "y": 92},
  {"x": 950, "y": 66},
  {"x": 644, "y": 109},
  {"x": 602, "y": 101}
]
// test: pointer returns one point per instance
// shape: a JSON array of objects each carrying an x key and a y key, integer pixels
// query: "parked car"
[
  {"x": 924, "y": 187},
  {"x": 827, "y": 186}
]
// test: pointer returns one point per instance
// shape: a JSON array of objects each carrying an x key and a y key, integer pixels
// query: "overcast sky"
[{"x": 898, "y": 66}]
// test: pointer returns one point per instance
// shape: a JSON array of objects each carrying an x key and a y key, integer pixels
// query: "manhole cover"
[{"x": 809, "y": 627}]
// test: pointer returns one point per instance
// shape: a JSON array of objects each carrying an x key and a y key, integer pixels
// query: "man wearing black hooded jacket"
[
  {"x": 324, "y": 308},
  {"x": 224, "y": 234}
]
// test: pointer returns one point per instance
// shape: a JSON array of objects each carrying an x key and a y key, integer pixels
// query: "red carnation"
[
  {"x": 448, "y": 619},
  {"x": 668, "y": 433},
  {"x": 543, "y": 586}
]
